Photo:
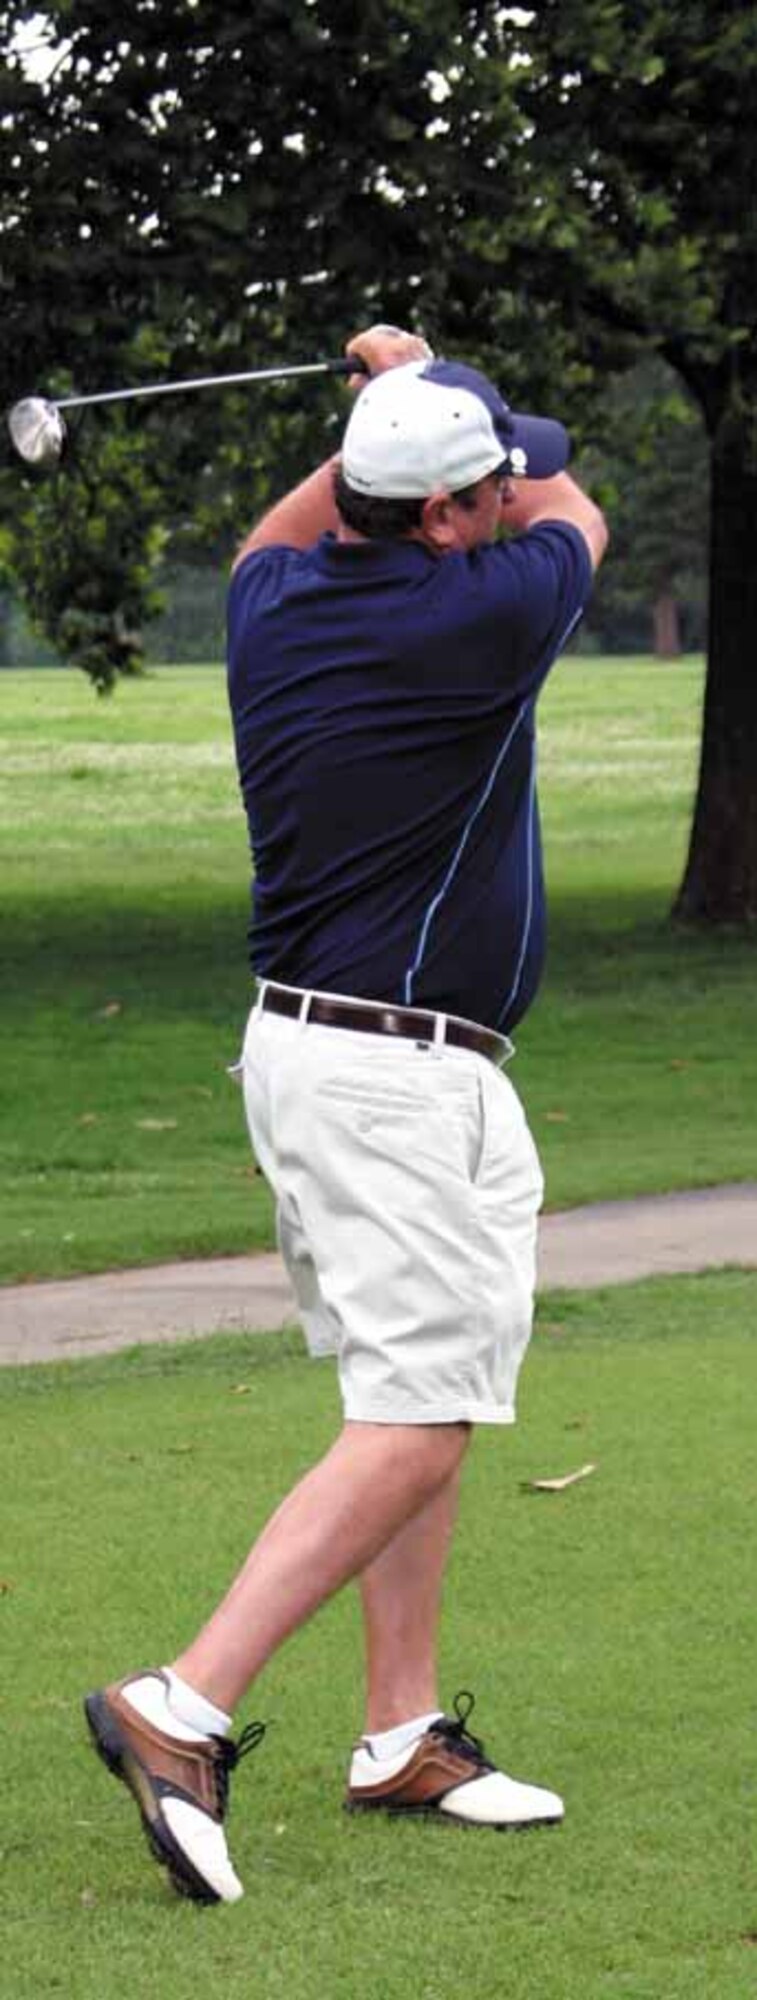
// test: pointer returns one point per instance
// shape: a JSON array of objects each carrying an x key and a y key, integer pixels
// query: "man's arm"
[
  {"x": 309, "y": 510},
  {"x": 297, "y": 520},
  {"x": 526, "y": 502}
]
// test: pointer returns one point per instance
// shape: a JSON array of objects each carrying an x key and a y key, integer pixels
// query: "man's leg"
[
  {"x": 412, "y": 1757},
  {"x": 164, "y": 1732},
  {"x": 401, "y": 1594},
  {"x": 332, "y": 1526}
]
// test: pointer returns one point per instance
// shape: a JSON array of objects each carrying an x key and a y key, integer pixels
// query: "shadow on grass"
[
  {"x": 123, "y": 1141},
  {"x": 630, "y": 934},
  {"x": 191, "y": 933},
  {"x": 178, "y": 950}
]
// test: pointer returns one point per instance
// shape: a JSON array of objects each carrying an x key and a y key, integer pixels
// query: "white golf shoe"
[
  {"x": 180, "y": 1781},
  {"x": 446, "y": 1774}
]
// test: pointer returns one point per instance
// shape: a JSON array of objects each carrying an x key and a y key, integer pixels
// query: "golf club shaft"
[{"x": 282, "y": 374}]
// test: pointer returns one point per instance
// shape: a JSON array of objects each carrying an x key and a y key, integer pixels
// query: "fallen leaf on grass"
[
  {"x": 108, "y": 1012},
  {"x": 242, "y": 1389},
  {"x": 557, "y": 1117},
  {"x": 557, "y": 1485},
  {"x": 88, "y": 1118},
  {"x": 156, "y": 1124},
  {"x": 5, "y": 1589},
  {"x": 88, "y": 1899}
]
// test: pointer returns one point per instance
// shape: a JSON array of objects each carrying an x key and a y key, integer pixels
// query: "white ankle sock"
[
  {"x": 194, "y": 1709},
  {"x": 177, "y": 1709},
  {"x": 391, "y": 1742}
]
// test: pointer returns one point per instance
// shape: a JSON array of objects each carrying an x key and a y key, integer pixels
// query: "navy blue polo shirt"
[{"x": 383, "y": 708}]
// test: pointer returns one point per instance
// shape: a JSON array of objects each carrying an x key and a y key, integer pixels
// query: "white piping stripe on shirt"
[
  {"x": 529, "y": 893},
  {"x": 457, "y": 856},
  {"x": 508, "y": 1003},
  {"x": 454, "y": 864}
]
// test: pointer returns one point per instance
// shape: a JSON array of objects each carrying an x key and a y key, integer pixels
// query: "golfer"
[{"x": 386, "y": 649}]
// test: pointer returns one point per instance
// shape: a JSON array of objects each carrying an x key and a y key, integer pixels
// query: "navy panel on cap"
[{"x": 544, "y": 441}]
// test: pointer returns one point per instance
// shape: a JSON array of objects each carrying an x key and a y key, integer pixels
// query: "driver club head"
[{"x": 38, "y": 431}]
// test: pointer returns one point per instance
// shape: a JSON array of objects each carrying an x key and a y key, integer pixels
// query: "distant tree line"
[{"x": 651, "y": 472}]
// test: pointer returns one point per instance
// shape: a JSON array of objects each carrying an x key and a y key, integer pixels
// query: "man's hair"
[{"x": 385, "y": 520}]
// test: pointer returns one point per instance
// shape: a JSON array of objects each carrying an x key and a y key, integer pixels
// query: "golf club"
[{"x": 38, "y": 430}]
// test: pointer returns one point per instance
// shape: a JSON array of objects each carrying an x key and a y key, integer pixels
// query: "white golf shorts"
[{"x": 407, "y": 1188}]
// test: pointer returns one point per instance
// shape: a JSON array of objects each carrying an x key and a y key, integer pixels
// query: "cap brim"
[{"x": 543, "y": 443}]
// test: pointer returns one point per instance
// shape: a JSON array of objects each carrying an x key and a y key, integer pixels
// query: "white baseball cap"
[{"x": 432, "y": 426}]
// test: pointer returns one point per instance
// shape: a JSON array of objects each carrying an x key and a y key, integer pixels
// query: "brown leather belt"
[{"x": 370, "y": 1017}]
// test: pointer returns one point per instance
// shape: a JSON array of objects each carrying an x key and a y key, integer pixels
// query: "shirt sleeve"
[
  {"x": 553, "y": 571},
  {"x": 254, "y": 583}
]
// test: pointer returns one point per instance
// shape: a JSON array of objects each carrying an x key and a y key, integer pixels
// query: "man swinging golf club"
[{"x": 386, "y": 651}]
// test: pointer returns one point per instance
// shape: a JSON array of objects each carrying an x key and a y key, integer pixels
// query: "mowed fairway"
[
  {"x": 124, "y": 983},
  {"x": 607, "y": 1633}
]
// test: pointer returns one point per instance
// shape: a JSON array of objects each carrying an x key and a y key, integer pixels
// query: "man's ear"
[{"x": 438, "y": 522}]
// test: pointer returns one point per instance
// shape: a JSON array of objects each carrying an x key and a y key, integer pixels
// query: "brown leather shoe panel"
[
  {"x": 190, "y": 1768},
  {"x": 434, "y": 1769}
]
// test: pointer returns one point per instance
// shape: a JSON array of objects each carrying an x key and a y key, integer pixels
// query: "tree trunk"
[
  {"x": 667, "y": 626},
  {"x": 720, "y": 881}
]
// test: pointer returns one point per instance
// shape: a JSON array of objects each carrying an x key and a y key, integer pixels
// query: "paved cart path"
[{"x": 608, "y": 1243}]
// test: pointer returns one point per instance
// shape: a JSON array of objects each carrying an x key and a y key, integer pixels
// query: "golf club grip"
[{"x": 351, "y": 365}]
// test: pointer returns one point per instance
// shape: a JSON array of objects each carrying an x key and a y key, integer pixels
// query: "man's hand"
[{"x": 382, "y": 347}]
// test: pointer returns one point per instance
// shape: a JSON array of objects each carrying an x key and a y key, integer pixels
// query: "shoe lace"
[
  {"x": 456, "y": 1732},
  {"x": 229, "y": 1753}
]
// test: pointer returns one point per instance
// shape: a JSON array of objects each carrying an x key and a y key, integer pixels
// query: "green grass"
[
  {"x": 124, "y": 976},
  {"x": 608, "y": 1633},
  {"x": 124, "y": 984}
]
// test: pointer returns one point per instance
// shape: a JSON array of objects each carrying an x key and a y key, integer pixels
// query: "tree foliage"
[
  {"x": 644, "y": 155},
  {"x": 203, "y": 185},
  {"x": 552, "y": 191},
  {"x": 650, "y": 470}
]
